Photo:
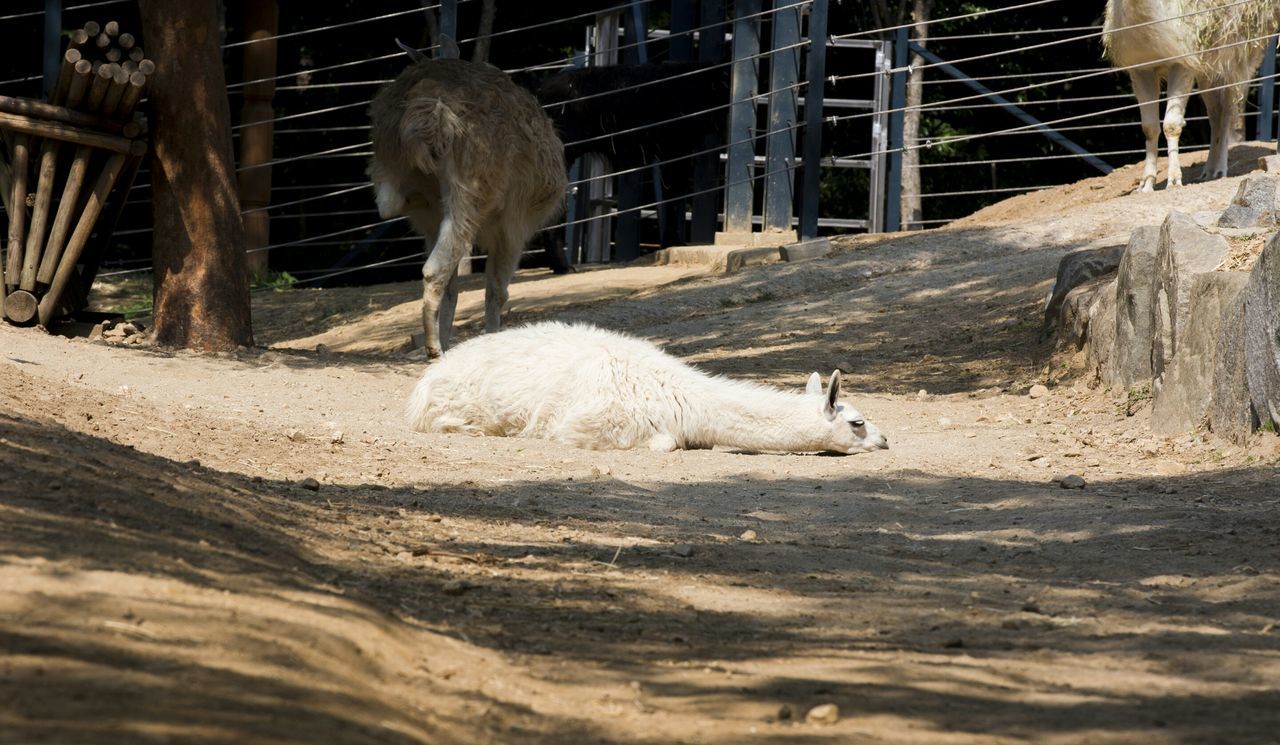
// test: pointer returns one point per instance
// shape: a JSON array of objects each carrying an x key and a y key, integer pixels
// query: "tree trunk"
[
  {"x": 201, "y": 284},
  {"x": 257, "y": 114},
  {"x": 912, "y": 214},
  {"x": 487, "y": 12}
]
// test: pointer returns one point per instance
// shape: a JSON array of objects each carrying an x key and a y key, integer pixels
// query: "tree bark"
[
  {"x": 912, "y": 213},
  {"x": 201, "y": 283},
  {"x": 261, "y": 22}
]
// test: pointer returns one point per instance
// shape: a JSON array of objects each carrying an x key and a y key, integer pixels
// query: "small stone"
[
  {"x": 1038, "y": 391},
  {"x": 309, "y": 484},
  {"x": 944, "y": 421},
  {"x": 336, "y": 437},
  {"x": 1031, "y": 606},
  {"x": 922, "y": 395},
  {"x": 456, "y": 587},
  {"x": 784, "y": 711},
  {"x": 296, "y": 435},
  {"x": 1071, "y": 481},
  {"x": 823, "y": 714},
  {"x": 748, "y": 535},
  {"x": 682, "y": 550},
  {"x": 322, "y": 349}
]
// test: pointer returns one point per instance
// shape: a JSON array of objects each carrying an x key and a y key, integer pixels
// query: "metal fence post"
[
  {"x": 780, "y": 144},
  {"x": 1266, "y": 93},
  {"x": 448, "y": 20},
  {"x": 706, "y": 168},
  {"x": 816, "y": 73},
  {"x": 738, "y": 192},
  {"x": 897, "y": 102},
  {"x": 626, "y": 234},
  {"x": 52, "y": 44}
]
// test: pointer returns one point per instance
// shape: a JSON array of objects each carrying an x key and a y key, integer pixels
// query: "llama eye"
[{"x": 858, "y": 422}]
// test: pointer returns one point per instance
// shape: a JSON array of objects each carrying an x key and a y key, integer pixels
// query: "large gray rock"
[
  {"x": 1135, "y": 288},
  {"x": 1185, "y": 250},
  {"x": 1230, "y": 410},
  {"x": 1262, "y": 334},
  {"x": 1075, "y": 269},
  {"x": 1182, "y": 402},
  {"x": 1253, "y": 206},
  {"x": 1073, "y": 324},
  {"x": 1101, "y": 346}
]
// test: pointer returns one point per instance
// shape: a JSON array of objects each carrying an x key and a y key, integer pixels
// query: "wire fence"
[{"x": 322, "y": 212}]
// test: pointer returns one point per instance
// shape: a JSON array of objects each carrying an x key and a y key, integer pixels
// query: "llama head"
[{"x": 848, "y": 431}]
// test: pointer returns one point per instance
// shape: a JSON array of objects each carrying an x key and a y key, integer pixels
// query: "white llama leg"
[
  {"x": 1146, "y": 87},
  {"x": 1179, "y": 90},
  {"x": 437, "y": 274}
]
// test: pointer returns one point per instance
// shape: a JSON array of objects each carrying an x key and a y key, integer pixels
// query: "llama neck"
[{"x": 741, "y": 415}]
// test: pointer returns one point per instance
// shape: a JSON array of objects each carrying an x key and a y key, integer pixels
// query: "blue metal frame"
[
  {"x": 1266, "y": 93},
  {"x": 448, "y": 20},
  {"x": 780, "y": 143},
  {"x": 897, "y": 106},
  {"x": 816, "y": 74},
  {"x": 52, "y": 44},
  {"x": 739, "y": 192},
  {"x": 706, "y": 168}
]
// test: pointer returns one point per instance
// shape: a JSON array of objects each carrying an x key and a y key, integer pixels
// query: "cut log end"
[{"x": 20, "y": 307}]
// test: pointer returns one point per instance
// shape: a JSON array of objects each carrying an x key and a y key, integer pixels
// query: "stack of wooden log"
[{"x": 78, "y": 191}]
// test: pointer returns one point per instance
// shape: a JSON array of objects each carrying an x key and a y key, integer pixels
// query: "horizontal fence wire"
[{"x": 315, "y": 211}]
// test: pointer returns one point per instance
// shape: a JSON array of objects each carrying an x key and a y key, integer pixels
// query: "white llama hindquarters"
[
  {"x": 1184, "y": 42},
  {"x": 596, "y": 389},
  {"x": 470, "y": 158}
]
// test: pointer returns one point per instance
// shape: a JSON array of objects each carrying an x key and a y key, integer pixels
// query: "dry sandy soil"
[{"x": 167, "y": 576}]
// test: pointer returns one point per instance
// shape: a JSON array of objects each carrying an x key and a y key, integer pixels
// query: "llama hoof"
[
  {"x": 1147, "y": 185},
  {"x": 1174, "y": 182}
]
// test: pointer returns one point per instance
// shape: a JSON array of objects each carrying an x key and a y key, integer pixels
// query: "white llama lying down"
[{"x": 596, "y": 389}]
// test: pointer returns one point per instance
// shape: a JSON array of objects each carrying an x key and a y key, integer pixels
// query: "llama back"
[
  {"x": 1208, "y": 26},
  {"x": 579, "y": 385},
  {"x": 465, "y": 117}
]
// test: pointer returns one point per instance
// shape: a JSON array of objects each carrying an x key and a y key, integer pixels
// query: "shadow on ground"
[{"x": 152, "y": 599}]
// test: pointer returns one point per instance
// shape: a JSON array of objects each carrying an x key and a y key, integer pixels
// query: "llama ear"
[
  {"x": 833, "y": 391},
  {"x": 814, "y": 386},
  {"x": 414, "y": 55},
  {"x": 448, "y": 48}
]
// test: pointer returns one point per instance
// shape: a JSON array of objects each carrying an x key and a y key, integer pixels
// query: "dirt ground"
[{"x": 252, "y": 548}]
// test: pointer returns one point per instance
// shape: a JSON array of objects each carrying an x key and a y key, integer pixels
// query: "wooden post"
[
  {"x": 39, "y": 214},
  {"x": 65, "y": 132},
  {"x": 201, "y": 281},
  {"x": 31, "y": 109},
  {"x": 739, "y": 191},
  {"x": 18, "y": 215},
  {"x": 257, "y": 130},
  {"x": 84, "y": 227},
  {"x": 66, "y": 210}
]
